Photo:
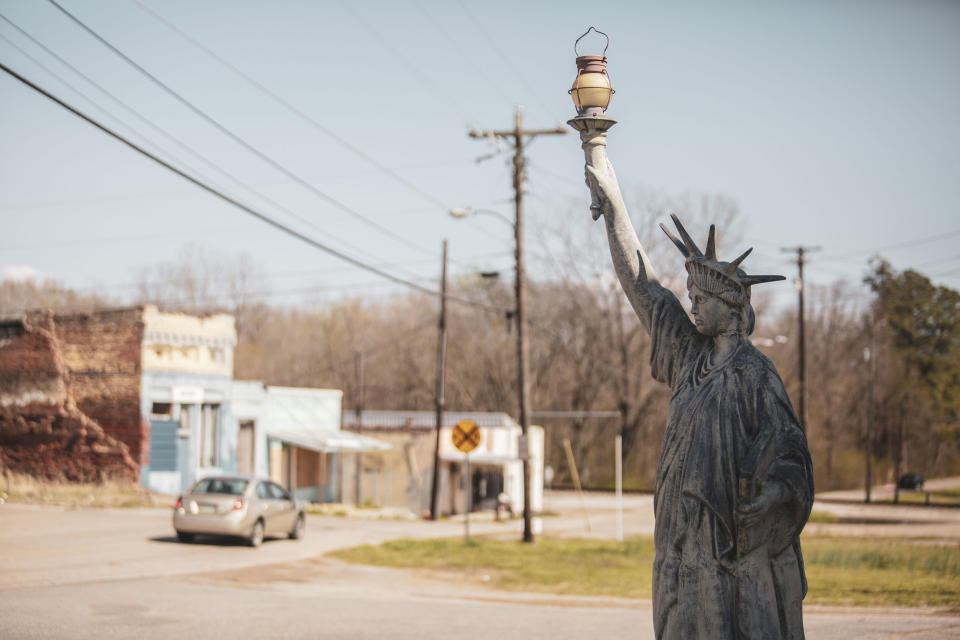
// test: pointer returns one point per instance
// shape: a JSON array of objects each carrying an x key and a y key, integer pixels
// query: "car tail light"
[
  {"x": 238, "y": 504},
  {"x": 179, "y": 504}
]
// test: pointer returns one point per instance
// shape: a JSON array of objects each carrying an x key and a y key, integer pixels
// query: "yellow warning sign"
[{"x": 466, "y": 435}]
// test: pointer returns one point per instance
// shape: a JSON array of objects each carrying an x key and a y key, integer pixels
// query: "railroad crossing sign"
[{"x": 466, "y": 435}]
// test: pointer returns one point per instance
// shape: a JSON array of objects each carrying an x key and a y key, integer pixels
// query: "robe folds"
[{"x": 712, "y": 578}]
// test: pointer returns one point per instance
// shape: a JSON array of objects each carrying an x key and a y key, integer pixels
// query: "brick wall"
[
  {"x": 102, "y": 352},
  {"x": 70, "y": 395}
]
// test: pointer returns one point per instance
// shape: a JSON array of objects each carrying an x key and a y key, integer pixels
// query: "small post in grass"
[
  {"x": 466, "y": 522},
  {"x": 576, "y": 480},
  {"x": 618, "y": 446},
  {"x": 466, "y": 436}
]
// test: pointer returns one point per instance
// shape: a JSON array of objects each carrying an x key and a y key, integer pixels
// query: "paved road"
[
  {"x": 120, "y": 574},
  {"x": 885, "y": 491}
]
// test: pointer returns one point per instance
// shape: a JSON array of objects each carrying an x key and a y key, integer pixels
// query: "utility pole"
[
  {"x": 898, "y": 460},
  {"x": 872, "y": 351},
  {"x": 801, "y": 346},
  {"x": 518, "y": 134},
  {"x": 441, "y": 369},
  {"x": 358, "y": 409}
]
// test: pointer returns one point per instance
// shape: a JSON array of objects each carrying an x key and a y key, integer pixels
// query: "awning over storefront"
[
  {"x": 479, "y": 458},
  {"x": 330, "y": 441}
]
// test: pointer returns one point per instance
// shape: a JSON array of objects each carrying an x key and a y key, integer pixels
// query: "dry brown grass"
[{"x": 15, "y": 487}]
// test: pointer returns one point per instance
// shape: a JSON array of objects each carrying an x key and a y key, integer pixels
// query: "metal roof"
[
  {"x": 422, "y": 420},
  {"x": 310, "y": 418},
  {"x": 330, "y": 441}
]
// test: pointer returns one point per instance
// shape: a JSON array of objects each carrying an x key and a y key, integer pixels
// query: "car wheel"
[
  {"x": 183, "y": 536},
  {"x": 299, "y": 528},
  {"x": 256, "y": 534}
]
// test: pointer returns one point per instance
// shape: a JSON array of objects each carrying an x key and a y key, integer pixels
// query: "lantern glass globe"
[{"x": 591, "y": 90}]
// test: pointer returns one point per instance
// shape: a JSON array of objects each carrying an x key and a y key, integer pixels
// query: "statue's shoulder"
[{"x": 754, "y": 364}]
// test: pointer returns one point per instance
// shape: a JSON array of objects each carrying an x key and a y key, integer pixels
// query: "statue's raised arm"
[{"x": 637, "y": 276}]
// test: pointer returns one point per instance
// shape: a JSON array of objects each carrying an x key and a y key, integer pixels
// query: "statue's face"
[{"x": 711, "y": 315}]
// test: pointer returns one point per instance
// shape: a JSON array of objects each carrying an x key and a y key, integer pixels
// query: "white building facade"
[{"x": 186, "y": 384}]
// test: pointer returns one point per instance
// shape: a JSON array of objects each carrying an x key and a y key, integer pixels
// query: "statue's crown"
[{"x": 722, "y": 279}]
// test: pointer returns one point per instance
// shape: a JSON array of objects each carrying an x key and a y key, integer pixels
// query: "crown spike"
[
  {"x": 712, "y": 244},
  {"x": 732, "y": 267},
  {"x": 752, "y": 280},
  {"x": 687, "y": 240},
  {"x": 673, "y": 238}
]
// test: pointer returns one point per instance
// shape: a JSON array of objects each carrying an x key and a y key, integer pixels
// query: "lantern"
[{"x": 591, "y": 90}]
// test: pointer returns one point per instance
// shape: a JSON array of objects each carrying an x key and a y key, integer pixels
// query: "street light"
[{"x": 467, "y": 212}]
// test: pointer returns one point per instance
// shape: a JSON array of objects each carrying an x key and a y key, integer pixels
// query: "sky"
[{"x": 831, "y": 124}]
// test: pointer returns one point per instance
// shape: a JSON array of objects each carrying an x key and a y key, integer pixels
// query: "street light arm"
[{"x": 466, "y": 212}]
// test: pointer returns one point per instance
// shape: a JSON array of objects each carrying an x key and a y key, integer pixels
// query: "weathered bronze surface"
[{"x": 734, "y": 481}]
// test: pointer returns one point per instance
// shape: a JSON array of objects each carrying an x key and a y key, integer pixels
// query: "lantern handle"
[{"x": 604, "y": 54}]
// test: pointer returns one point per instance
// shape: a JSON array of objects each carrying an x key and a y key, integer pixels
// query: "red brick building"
[{"x": 70, "y": 395}]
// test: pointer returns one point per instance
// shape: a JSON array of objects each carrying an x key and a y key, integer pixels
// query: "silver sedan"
[{"x": 247, "y": 507}]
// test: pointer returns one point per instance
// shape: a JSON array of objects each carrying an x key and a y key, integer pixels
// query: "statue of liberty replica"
[{"x": 734, "y": 483}]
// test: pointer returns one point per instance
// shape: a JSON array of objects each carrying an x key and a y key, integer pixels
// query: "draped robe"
[{"x": 703, "y": 585}]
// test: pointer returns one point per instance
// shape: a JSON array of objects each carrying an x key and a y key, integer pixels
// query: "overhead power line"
[
  {"x": 249, "y": 210},
  {"x": 153, "y": 126},
  {"x": 455, "y": 45},
  {"x": 246, "y": 145},
  {"x": 508, "y": 63},
  {"x": 211, "y": 300},
  {"x": 217, "y": 193},
  {"x": 898, "y": 245},
  {"x": 294, "y": 110},
  {"x": 401, "y": 59},
  {"x": 274, "y": 223}
]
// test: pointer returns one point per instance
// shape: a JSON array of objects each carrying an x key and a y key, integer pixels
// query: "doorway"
[{"x": 245, "y": 447}]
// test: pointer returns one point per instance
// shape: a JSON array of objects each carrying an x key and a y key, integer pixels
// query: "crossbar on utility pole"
[
  {"x": 441, "y": 374},
  {"x": 801, "y": 348},
  {"x": 518, "y": 134}
]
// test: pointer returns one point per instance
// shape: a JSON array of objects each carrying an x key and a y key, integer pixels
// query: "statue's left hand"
[{"x": 773, "y": 494}]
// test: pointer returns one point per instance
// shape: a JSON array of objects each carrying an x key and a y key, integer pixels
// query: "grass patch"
[
  {"x": 823, "y": 517},
  {"x": 551, "y": 565},
  {"x": 881, "y": 572},
  {"x": 323, "y": 509},
  {"x": 941, "y": 497},
  {"x": 857, "y": 572},
  {"x": 78, "y": 495}
]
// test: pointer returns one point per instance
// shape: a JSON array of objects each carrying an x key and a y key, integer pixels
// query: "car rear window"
[
  {"x": 277, "y": 493},
  {"x": 227, "y": 486}
]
